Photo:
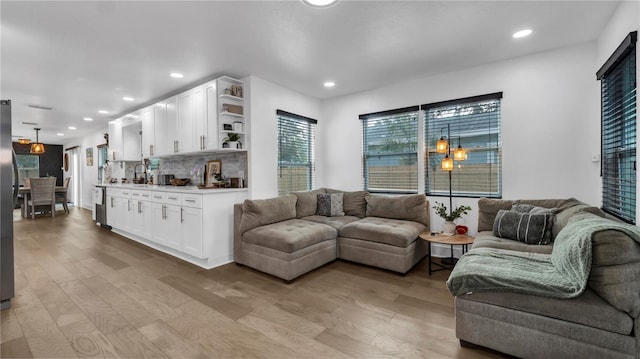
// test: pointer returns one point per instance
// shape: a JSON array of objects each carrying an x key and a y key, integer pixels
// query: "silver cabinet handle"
[
  {"x": 129, "y": 205},
  {"x": 111, "y": 202},
  {"x": 151, "y": 150},
  {"x": 164, "y": 212},
  {"x": 181, "y": 215},
  {"x": 173, "y": 198},
  {"x": 139, "y": 207},
  {"x": 190, "y": 200}
]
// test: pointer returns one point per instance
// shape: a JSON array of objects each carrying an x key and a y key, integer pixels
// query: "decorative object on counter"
[
  {"x": 236, "y": 90},
  {"x": 214, "y": 171},
  {"x": 462, "y": 229},
  {"x": 232, "y": 141},
  {"x": 106, "y": 138},
  {"x": 449, "y": 227},
  {"x": 180, "y": 181}
]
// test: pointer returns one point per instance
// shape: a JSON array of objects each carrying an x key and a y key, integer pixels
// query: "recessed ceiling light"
[
  {"x": 320, "y": 3},
  {"x": 127, "y": 98},
  {"x": 88, "y": 119},
  {"x": 329, "y": 84},
  {"x": 104, "y": 112},
  {"x": 72, "y": 128},
  {"x": 522, "y": 33},
  {"x": 60, "y": 134},
  {"x": 176, "y": 75}
]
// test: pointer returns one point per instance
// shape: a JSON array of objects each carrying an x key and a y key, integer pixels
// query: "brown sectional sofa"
[
  {"x": 284, "y": 236},
  {"x": 602, "y": 322}
]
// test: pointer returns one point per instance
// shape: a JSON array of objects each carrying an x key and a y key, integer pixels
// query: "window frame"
[
  {"x": 281, "y": 116},
  {"x": 618, "y": 136},
  {"x": 366, "y": 155},
  {"x": 495, "y": 150}
]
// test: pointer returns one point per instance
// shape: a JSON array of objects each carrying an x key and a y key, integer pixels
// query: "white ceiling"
[{"x": 82, "y": 56}]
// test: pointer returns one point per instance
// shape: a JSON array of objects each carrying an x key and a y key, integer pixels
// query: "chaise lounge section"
[{"x": 286, "y": 237}]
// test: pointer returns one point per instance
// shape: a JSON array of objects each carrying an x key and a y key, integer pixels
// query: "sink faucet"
[{"x": 144, "y": 171}]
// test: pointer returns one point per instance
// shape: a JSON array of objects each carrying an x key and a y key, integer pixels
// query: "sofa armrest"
[{"x": 237, "y": 218}]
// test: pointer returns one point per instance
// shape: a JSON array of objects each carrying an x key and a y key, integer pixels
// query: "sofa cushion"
[
  {"x": 487, "y": 210},
  {"x": 307, "y": 202},
  {"x": 406, "y": 207},
  {"x": 601, "y": 314},
  {"x": 335, "y": 222},
  {"x": 563, "y": 216},
  {"x": 290, "y": 235},
  {"x": 530, "y": 228},
  {"x": 258, "y": 212},
  {"x": 330, "y": 204},
  {"x": 395, "y": 232},
  {"x": 354, "y": 203},
  {"x": 486, "y": 239}
]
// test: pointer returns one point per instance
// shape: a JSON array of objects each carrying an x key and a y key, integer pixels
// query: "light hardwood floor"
[{"x": 82, "y": 291}]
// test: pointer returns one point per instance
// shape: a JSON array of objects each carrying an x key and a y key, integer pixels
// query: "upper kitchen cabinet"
[
  {"x": 207, "y": 117},
  {"x": 148, "y": 132},
  {"x": 231, "y": 113},
  {"x": 125, "y": 138}
]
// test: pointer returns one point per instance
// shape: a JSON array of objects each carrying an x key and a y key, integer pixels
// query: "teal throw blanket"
[{"x": 561, "y": 274}]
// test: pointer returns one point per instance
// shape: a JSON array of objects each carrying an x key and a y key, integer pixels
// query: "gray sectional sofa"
[
  {"x": 285, "y": 237},
  {"x": 602, "y": 322}
]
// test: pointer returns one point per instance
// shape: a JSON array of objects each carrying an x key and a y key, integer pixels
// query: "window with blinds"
[
  {"x": 474, "y": 124},
  {"x": 296, "y": 157},
  {"x": 390, "y": 151},
  {"x": 618, "y": 102}
]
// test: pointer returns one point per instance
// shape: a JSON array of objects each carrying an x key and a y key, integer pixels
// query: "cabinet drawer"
[
  {"x": 191, "y": 200},
  {"x": 126, "y": 193},
  {"x": 140, "y": 195},
  {"x": 145, "y": 195},
  {"x": 173, "y": 198},
  {"x": 158, "y": 197}
]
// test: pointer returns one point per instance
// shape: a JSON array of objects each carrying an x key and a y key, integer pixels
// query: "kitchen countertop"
[{"x": 181, "y": 189}]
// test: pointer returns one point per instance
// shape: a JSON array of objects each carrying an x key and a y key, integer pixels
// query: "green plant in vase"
[
  {"x": 449, "y": 226},
  {"x": 232, "y": 141}
]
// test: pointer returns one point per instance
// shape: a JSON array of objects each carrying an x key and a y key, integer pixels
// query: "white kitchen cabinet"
[
  {"x": 160, "y": 145},
  {"x": 187, "y": 122},
  {"x": 142, "y": 214},
  {"x": 131, "y": 138},
  {"x": 171, "y": 128},
  {"x": 115, "y": 140},
  {"x": 206, "y": 104},
  {"x": 148, "y": 131},
  {"x": 192, "y": 242}
]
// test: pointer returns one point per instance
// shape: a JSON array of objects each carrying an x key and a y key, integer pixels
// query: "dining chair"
[
  {"x": 42, "y": 194},
  {"x": 24, "y": 207},
  {"x": 61, "y": 197}
]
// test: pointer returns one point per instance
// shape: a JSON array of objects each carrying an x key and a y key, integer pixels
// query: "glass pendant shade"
[
  {"x": 460, "y": 154},
  {"x": 442, "y": 145},
  {"x": 447, "y": 163},
  {"x": 37, "y": 148},
  {"x": 24, "y": 141}
]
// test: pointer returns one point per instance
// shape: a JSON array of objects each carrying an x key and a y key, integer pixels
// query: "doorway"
[{"x": 74, "y": 196}]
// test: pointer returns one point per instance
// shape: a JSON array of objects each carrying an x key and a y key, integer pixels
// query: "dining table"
[{"x": 26, "y": 191}]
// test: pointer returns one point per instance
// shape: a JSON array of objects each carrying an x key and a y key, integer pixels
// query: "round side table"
[{"x": 456, "y": 240}]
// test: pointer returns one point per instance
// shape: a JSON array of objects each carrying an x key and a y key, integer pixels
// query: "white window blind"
[
  {"x": 296, "y": 153},
  {"x": 618, "y": 94},
  {"x": 474, "y": 124},
  {"x": 390, "y": 151}
]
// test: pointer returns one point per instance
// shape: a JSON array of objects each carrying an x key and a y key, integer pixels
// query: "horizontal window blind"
[
  {"x": 296, "y": 152},
  {"x": 390, "y": 151},
  {"x": 474, "y": 124},
  {"x": 618, "y": 101}
]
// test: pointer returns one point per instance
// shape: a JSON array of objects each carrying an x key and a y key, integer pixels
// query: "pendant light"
[
  {"x": 24, "y": 141},
  {"x": 37, "y": 148},
  {"x": 447, "y": 163},
  {"x": 442, "y": 145},
  {"x": 460, "y": 154}
]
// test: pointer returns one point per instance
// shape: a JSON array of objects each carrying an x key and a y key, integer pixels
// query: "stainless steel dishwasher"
[{"x": 101, "y": 207}]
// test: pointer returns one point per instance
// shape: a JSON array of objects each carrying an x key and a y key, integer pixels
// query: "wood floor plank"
[
  {"x": 88, "y": 341},
  {"x": 105, "y": 318},
  {"x": 207, "y": 298},
  {"x": 350, "y": 346},
  {"x": 171, "y": 343},
  {"x": 131, "y": 310},
  {"x": 300, "y": 344},
  {"x": 15, "y": 348},
  {"x": 130, "y": 343},
  {"x": 9, "y": 327},
  {"x": 58, "y": 304}
]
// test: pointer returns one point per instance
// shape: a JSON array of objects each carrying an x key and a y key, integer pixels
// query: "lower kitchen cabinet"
[{"x": 196, "y": 227}]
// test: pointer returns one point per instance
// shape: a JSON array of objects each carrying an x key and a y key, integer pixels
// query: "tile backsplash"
[{"x": 234, "y": 164}]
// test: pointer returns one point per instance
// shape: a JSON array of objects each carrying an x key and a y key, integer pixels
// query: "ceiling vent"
[
  {"x": 40, "y": 107},
  {"x": 28, "y": 123}
]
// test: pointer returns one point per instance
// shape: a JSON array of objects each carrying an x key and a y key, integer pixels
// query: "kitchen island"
[{"x": 192, "y": 224}]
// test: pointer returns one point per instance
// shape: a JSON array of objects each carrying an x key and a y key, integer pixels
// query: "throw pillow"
[
  {"x": 409, "y": 207},
  {"x": 529, "y": 228},
  {"x": 330, "y": 205},
  {"x": 353, "y": 203}
]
